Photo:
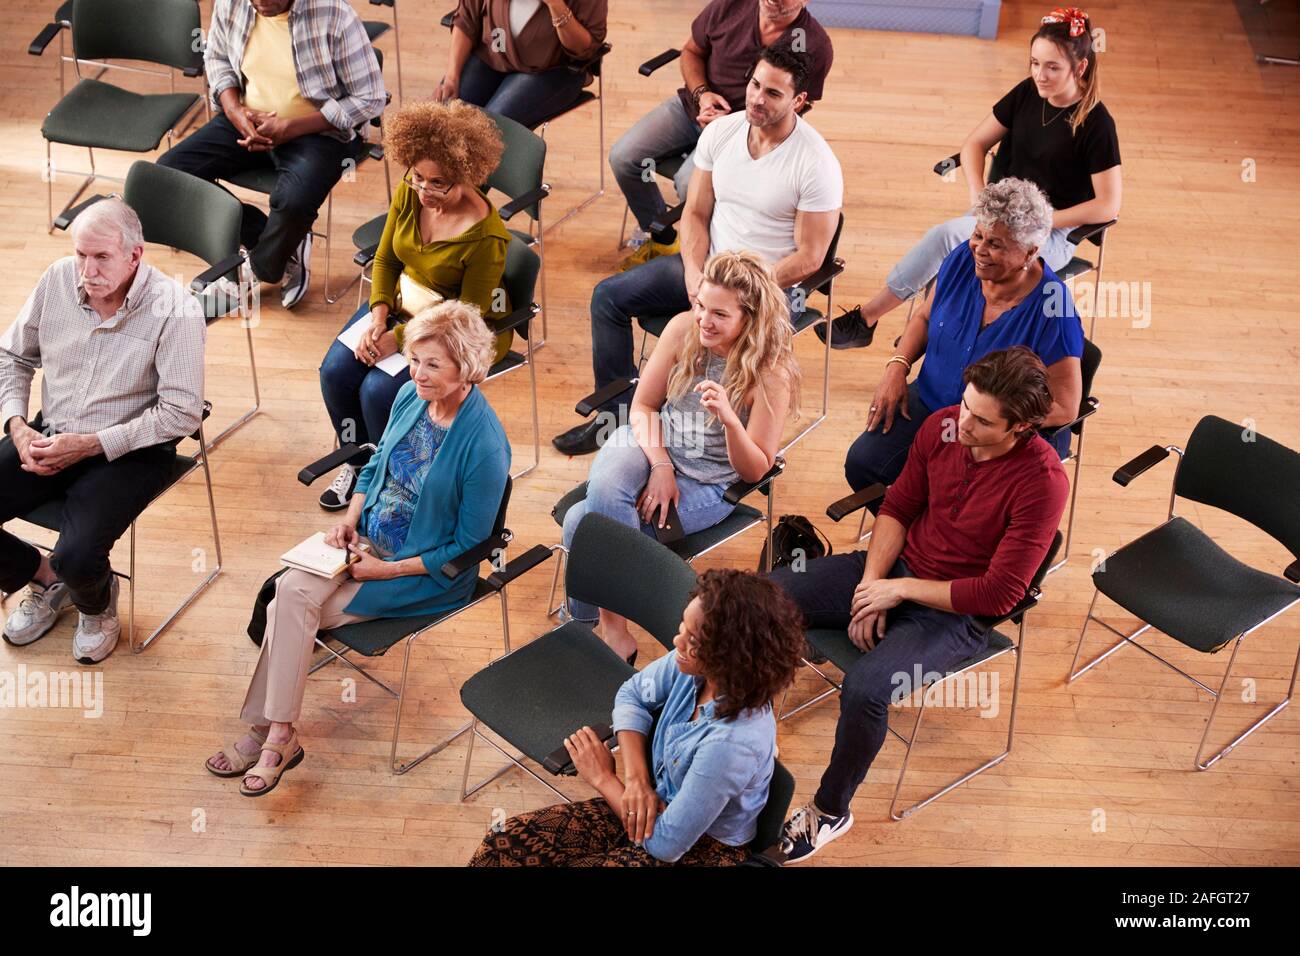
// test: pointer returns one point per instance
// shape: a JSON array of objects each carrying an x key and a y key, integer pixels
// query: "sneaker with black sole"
[
  {"x": 339, "y": 493},
  {"x": 851, "y": 330},
  {"x": 297, "y": 274},
  {"x": 809, "y": 830},
  {"x": 97, "y": 634},
  {"x": 582, "y": 439},
  {"x": 36, "y": 613}
]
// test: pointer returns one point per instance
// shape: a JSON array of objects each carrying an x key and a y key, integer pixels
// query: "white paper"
[{"x": 351, "y": 337}]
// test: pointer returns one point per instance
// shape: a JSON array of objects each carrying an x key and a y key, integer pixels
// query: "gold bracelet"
[
  {"x": 561, "y": 22},
  {"x": 900, "y": 358}
]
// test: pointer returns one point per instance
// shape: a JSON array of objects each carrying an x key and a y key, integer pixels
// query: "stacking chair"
[
  {"x": 1077, "y": 266},
  {"x": 1176, "y": 579},
  {"x": 98, "y": 115},
  {"x": 198, "y": 217},
  {"x": 518, "y": 176},
  {"x": 836, "y": 647},
  {"x": 50, "y": 517},
  {"x": 374, "y": 638},
  {"x": 377, "y": 28}
]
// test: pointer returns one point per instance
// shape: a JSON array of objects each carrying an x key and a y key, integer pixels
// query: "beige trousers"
[{"x": 303, "y": 604}]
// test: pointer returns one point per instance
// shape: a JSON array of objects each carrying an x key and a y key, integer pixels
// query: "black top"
[{"x": 1059, "y": 162}]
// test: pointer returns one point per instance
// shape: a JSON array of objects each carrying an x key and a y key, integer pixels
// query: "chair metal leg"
[
  {"x": 555, "y": 580},
  {"x": 243, "y": 419},
  {"x": 397, "y": 48},
  {"x": 335, "y": 655},
  {"x": 622, "y": 230},
  {"x": 467, "y": 792},
  {"x": 393, "y": 763},
  {"x": 1207, "y": 764},
  {"x": 537, "y": 430},
  {"x": 767, "y": 550},
  {"x": 834, "y": 689},
  {"x": 826, "y": 379},
  {"x": 1069, "y": 521},
  {"x": 600, "y": 156}
]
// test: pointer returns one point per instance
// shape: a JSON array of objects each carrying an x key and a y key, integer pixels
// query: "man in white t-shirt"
[{"x": 764, "y": 180}]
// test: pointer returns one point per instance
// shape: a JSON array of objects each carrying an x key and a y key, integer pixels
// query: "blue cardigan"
[{"x": 457, "y": 506}]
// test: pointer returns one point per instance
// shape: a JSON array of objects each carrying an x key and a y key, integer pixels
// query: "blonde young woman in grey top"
[{"x": 709, "y": 408}]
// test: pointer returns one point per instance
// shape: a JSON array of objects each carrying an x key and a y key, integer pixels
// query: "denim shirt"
[{"x": 712, "y": 773}]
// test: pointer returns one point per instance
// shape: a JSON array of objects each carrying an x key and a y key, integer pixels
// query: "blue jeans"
[
  {"x": 916, "y": 638},
  {"x": 306, "y": 170},
  {"x": 666, "y": 130},
  {"x": 618, "y": 474},
  {"x": 922, "y": 261},
  {"x": 357, "y": 396},
  {"x": 527, "y": 98}
]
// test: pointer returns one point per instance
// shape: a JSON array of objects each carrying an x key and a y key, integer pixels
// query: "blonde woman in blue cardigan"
[{"x": 430, "y": 492}]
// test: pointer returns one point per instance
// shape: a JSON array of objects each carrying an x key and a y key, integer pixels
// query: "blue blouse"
[
  {"x": 390, "y": 519},
  {"x": 712, "y": 773},
  {"x": 1045, "y": 321}
]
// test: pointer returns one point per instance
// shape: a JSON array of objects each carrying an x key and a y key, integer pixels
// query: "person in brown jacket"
[{"x": 517, "y": 57}]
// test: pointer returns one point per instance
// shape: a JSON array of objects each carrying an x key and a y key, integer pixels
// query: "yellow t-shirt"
[{"x": 270, "y": 83}]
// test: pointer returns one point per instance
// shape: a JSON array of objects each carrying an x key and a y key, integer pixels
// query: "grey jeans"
[{"x": 665, "y": 131}]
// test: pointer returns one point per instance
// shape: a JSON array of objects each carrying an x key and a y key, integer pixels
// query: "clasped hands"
[
  {"x": 871, "y": 599},
  {"x": 595, "y": 766},
  {"x": 47, "y": 455}
]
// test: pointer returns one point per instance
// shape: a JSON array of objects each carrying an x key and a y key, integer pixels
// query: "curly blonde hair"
[
  {"x": 765, "y": 346},
  {"x": 459, "y": 328},
  {"x": 458, "y": 137}
]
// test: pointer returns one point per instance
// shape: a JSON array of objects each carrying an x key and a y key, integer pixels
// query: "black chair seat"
[
  {"x": 836, "y": 647},
  {"x": 262, "y": 180},
  {"x": 806, "y": 319},
  {"x": 50, "y": 514},
  {"x": 547, "y": 689},
  {"x": 103, "y": 116},
  {"x": 374, "y": 638},
  {"x": 741, "y": 518},
  {"x": 512, "y": 361},
  {"x": 585, "y": 97},
  {"x": 375, "y": 29},
  {"x": 1075, "y": 267},
  {"x": 369, "y": 234},
  {"x": 1182, "y": 583},
  {"x": 668, "y": 166}
]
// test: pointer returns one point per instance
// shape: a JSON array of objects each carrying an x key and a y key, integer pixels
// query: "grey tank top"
[{"x": 695, "y": 440}]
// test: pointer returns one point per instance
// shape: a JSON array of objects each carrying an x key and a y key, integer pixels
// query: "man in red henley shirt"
[{"x": 960, "y": 534}]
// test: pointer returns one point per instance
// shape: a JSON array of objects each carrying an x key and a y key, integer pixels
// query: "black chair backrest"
[
  {"x": 154, "y": 31},
  {"x": 999, "y": 167},
  {"x": 630, "y": 573},
  {"x": 1242, "y": 472},
  {"x": 520, "y": 276},
  {"x": 499, "y": 524},
  {"x": 522, "y": 163},
  {"x": 183, "y": 211},
  {"x": 831, "y": 250},
  {"x": 1088, "y": 365},
  {"x": 772, "y": 818}
]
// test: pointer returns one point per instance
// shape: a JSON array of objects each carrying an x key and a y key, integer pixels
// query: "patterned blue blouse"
[{"x": 390, "y": 518}]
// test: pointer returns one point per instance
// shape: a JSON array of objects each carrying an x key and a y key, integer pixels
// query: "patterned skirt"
[{"x": 585, "y": 834}]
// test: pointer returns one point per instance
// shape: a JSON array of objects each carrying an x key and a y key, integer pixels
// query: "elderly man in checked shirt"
[
  {"x": 291, "y": 82},
  {"x": 121, "y": 350}
]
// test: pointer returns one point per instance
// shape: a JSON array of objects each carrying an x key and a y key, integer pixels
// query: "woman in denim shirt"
[{"x": 697, "y": 776}]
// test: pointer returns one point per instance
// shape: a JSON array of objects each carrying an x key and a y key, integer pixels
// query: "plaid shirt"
[
  {"x": 133, "y": 380},
  {"x": 332, "y": 56}
]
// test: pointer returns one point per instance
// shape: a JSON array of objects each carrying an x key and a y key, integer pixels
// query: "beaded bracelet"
[{"x": 560, "y": 22}]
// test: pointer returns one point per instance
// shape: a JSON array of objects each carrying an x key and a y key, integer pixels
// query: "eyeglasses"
[{"x": 433, "y": 186}]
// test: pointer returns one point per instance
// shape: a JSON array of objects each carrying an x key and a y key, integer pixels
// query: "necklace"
[{"x": 1048, "y": 122}]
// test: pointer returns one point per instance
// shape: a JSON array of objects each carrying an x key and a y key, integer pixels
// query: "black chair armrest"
[
  {"x": 823, "y": 276},
  {"x": 518, "y": 567},
  {"x": 482, "y": 551},
  {"x": 738, "y": 490},
  {"x": 670, "y": 217},
  {"x": 1096, "y": 229},
  {"x": 351, "y": 453},
  {"x": 386, "y": 3},
  {"x": 203, "y": 417},
  {"x": 48, "y": 33},
  {"x": 589, "y": 63},
  {"x": 1028, "y": 601},
  {"x": 839, "y": 510},
  {"x": 602, "y": 395},
  {"x": 366, "y": 256},
  {"x": 559, "y": 763},
  {"x": 1292, "y": 572},
  {"x": 1143, "y": 462},
  {"x": 944, "y": 166},
  {"x": 211, "y": 274},
  {"x": 196, "y": 66},
  {"x": 519, "y": 203},
  {"x": 663, "y": 59},
  {"x": 1092, "y": 404},
  {"x": 448, "y": 19},
  {"x": 516, "y": 318},
  {"x": 64, "y": 219}
]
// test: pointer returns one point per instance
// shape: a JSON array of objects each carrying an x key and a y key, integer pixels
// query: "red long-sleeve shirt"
[{"x": 983, "y": 525}]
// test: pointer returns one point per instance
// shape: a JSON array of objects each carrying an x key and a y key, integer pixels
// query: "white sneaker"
[
  {"x": 297, "y": 274},
  {"x": 36, "y": 613},
  {"x": 337, "y": 495},
  {"x": 97, "y": 634},
  {"x": 809, "y": 830}
]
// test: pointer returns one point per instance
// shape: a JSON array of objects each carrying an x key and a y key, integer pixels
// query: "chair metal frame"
[
  {"x": 200, "y": 461},
  {"x": 1122, "y": 477},
  {"x": 397, "y": 42}
]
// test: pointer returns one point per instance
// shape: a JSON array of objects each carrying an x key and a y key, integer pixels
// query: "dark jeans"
[
  {"x": 357, "y": 396},
  {"x": 916, "y": 637},
  {"x": 101, "y": 499},
  {"x": 527, "y": 98},
  {"x": 306, "y": 170}
]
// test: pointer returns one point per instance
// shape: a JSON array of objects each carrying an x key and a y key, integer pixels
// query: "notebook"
[
  {"x": 316, "y": 557},
  {"x": 351, "y": 337}
]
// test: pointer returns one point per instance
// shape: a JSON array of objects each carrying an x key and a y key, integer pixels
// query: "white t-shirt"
[
  {"x": 755, "y": 200},
  {"x": 521, "y": 11}
]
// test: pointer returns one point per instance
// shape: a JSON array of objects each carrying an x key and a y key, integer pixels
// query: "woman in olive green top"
[{"x": 442, "y": 236}]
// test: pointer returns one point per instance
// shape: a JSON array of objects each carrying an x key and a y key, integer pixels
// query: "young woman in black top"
[{"x": 1059, "y": 135}]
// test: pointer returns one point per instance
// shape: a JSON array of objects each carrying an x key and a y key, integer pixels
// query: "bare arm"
[
  {"x": 694, "y": 232},
  {"x": 752, "y": 449},
  {"x": 652, "y": 389},
  {"x": 1107, "y": 188},
  {"x": 974, "y": 152},
  {"x": 692, "y": 61},
  {"x": 1065, "y": 379},
  {"x": 813, "y": 232},
  {"x": 574, "y": 37}
]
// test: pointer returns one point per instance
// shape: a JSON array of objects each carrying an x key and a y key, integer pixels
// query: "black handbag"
[
  {"x": 265, "y": 595},
  {"x": 795, "y": 538}
]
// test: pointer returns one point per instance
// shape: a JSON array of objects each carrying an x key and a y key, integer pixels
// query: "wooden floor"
[{"x": 1102, "y": 769}]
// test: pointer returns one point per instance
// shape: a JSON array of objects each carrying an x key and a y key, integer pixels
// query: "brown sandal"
[
  {"x": 238, "y": 760},
  {"x": 270, "y": 776}
]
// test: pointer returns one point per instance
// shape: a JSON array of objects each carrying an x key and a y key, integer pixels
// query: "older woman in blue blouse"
[
  {"x": 992, "y": 293},
  {"x": 698, "y": 740},
  {"x": 431, "y": 491}
]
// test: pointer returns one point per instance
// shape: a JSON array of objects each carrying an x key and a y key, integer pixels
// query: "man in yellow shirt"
[{"x": 292, "y": 80}]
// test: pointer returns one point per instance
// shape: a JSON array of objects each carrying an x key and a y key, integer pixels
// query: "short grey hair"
[
  {"x": 1020, "y": 206},
  {"x": 111, "y": 217}
]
